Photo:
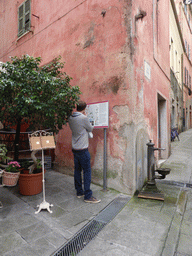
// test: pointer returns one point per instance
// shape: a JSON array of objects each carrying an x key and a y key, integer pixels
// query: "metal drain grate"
[{"x": 89, "y": 231}]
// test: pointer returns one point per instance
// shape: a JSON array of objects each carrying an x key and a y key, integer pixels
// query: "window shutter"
[
  {"x": 20, "y": 20},
  {"x": 27, "y": 15},
  {"x": 24, "y": 15},
  {"x": 27, "y": 6}
]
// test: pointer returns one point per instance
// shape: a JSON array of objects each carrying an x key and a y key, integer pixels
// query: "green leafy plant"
[
  {"x": 3, "y": 155},
  {"x": 38, "y": 95},
  {"x": 25, "y": 163},
  {"x": 3, "y": 152},
  {"x": 39, "y": 164}
]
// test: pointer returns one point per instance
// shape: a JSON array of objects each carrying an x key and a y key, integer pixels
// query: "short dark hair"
[{"x": 81, "y": 106}]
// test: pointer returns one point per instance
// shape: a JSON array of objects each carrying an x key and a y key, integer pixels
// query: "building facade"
[
  {"x": 115, "y": 51},
  {"x": 185, "y": 18},
  {"x": 176, "y": 68},
  {"x": 181, "y": 64}
]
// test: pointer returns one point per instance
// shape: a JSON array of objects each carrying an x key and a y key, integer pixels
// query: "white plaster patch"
[
  {"x": 123, "y": 114},
  {"x": 141, "y": 94},
  {"x": 147, "y": 70}
]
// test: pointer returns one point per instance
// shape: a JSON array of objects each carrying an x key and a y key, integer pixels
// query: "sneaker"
[
  {"x": 80, "y": 196},
  {"x": 92, "y": 200}
]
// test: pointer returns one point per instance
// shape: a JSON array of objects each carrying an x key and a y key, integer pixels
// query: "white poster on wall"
[{"x": 98, "y": 114}]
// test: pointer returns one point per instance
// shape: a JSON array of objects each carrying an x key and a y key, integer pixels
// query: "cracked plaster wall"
[{"x": 126, "y": 169}]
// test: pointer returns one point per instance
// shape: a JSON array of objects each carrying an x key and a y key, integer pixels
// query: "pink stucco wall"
[{"x": 104, "y": 50}]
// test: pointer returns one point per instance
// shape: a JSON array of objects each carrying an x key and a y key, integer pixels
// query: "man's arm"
[{"x": 88, "y": 126}]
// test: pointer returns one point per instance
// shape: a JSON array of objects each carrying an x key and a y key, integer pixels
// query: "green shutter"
[
  {"x": 20, "y": 20},
  {"x": 27, "y": 15},
  {"x": 27, "y": 6},
  {"x": 24, "y": 18},
  {"x": 27, "y": 22}
]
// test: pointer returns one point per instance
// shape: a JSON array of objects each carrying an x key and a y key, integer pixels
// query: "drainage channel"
[
  {"x": 177, "y": 183},
  {"x": 90, "y": 230}
]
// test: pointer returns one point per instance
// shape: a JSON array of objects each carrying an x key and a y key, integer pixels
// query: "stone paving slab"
[
  {"x": 10, "y": 241},
  {"x": 184, "y": 244},
  {"x": 103, "y": 247}
]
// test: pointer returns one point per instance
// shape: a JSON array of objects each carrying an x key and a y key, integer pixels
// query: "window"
[
  {"x": 186, "y": 77},
  {"x": 24, "y": 17},
  {"x": 186, "y": 46},
  {"x": 172, "y": 55},
  {"x": 176, "y": 62},
  {"x": 185, "y": 9}
]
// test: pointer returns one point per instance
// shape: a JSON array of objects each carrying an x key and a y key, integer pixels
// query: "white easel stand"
[{"x": 44, "y": 205}]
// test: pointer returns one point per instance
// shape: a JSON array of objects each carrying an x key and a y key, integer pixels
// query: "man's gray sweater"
[{"x": 80, "y": 126}]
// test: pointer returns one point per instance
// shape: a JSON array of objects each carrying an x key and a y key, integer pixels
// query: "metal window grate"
[{"x": 89, "y": 231}]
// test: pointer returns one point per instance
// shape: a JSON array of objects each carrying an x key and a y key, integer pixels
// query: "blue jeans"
[{"x": 82, "y": 162}]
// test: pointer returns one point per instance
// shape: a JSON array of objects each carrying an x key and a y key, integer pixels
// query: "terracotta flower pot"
[
  {"x": 10, "y": 178},
  {"x": 30, "y": 184}
]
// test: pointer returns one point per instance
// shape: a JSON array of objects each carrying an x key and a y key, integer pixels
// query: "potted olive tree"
[{"x": 40, "y": 96}]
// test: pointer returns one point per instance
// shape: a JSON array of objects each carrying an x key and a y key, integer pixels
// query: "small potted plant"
[{"x": 11, "y": 174}]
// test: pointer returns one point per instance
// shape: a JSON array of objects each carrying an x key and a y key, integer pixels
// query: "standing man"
[{"x": 80, "y": 127}]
